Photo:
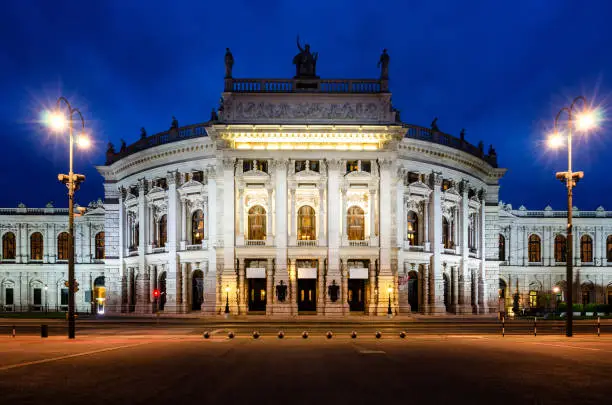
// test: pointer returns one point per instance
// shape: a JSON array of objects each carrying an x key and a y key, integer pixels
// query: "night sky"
[{"x": 500, "y": 69}]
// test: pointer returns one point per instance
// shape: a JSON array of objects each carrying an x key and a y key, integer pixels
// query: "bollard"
[
  {"x": 503, "y": 326},
  {"x": 13, "y": 330},
  {"x": 305, "y": 335},
  {"x": 402, "y": 334},
  {"x": 378, "y": 335},
  {"x": 598, "y": 327},
  {"x": 44, "y": 331},
  {"x": 329, "y": 334},
  {"x": 281, "y": 334},
  {"x": 255, "y": 335},
  {"x": 354, "y": 334},
  {"x": 206, "y": 335},
  {"x": 230, "y": 335},
  {"x": 535, "y": 328}
]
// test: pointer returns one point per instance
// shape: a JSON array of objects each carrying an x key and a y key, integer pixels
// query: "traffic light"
[{"x": 156, "y": 293}]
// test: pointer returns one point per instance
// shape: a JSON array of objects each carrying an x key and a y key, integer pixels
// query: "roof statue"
[
  {"x": 462, "y": 135},
  {"x": 383, "y": 64},
  {"x": 143, "y": 133},
  {"x": 434, "y": 125},
  {"x": 174, "y": 124},
  {"x": 229, "y": 63},
  {"x": 305, "y": 62},
  {"x": 213, "y": 115}
]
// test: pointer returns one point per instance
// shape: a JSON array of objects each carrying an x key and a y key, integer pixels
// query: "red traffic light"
[{"x": 156, "y": 293}]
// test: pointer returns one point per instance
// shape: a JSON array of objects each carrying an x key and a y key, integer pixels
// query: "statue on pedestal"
[
  {"x": 229, "y": 63},
  {"x": 434, "y": 125},
  {"x": 174, "y": 124},
  {"x": 143, "y": 133},
  {"x": 281, "y": 291},
  {"x": 383, "y": 64},
  {"x": 332, "y": 290},
  {"x": 305, "y": 62}
]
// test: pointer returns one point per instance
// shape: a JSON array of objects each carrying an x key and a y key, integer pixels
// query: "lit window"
[
  {"x": 535, "y": 249},
  {"x": 412, "y": 228},
  {"x": 560, "y": 248},
  {"x": 36, "y": 246},
  {"x": 586, "y": 249}
]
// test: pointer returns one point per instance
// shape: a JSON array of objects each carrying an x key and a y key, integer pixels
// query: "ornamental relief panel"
[{"x": 266, "y": 111}]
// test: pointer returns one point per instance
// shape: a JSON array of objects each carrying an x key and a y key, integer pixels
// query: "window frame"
[
  {"x": 63, "y": 246},
  {"x": 36, "y": 246},
  {"x": 534, "y": 249}
]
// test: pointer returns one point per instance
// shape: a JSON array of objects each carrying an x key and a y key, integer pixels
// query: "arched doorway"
[
  {"x": 99, "y": 295},
  {"x": 413, "y": 291},
  {"x": 162, "y": 291},
  {"x": 197, "y": 290},
  {"x": 588, "y": 293},
  {"x": 447, "y": 299}
]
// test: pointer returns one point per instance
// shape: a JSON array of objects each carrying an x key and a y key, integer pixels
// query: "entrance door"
[
  {"x": 257, "y": 294},
  {"x": 356, "y": 294},
  {"x": 413, "y": 291},
  {"x": 307, "y": 294}
]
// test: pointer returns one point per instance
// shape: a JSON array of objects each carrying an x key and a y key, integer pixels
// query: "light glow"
[
  {"x": 587, "y": 120},
  {"x": 556, "y": 141},
  {"x": 55, "y": 120},
  {"x": 83, "y": 141}
]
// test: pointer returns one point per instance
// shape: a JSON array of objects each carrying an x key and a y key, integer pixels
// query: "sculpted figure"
[
  {"x": 434, "y": 125},
  {"x": 174, "y": 124},
  {"x": 143, "y": 133},
  {"x": 383, "y": 64},
  {"x": 123, "y": 146},
  {"x": 229, "y": 63},
  {"x": 305, "y": 62},
  {"x": 110, "y": 148}
]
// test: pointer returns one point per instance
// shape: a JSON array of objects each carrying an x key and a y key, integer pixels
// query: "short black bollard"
[
  {"x": 230, "y": 335},
  {"x": 402, "y": 334},
  {"x": 281, "y": 334},
  {"x": 354, "y": 335},
  {"x": 378, "y": 335},
  {"x": 255, "y": 335},
  {"x": 329, "y": 334},
  {"x": 206, "y": 335},
  {"x": 44, "y": 331},
  {"x": 305, "y": 335},
  {"x": 503, "y": 326},
  {"x": 598, "y": 327},
  {"x": 535, "y": 328},
  {"x": 14, "y": 331}
]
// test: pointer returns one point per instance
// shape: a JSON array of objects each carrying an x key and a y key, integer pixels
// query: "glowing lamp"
[
  {"x": 56, "y": 121},
  {"x": 555, "y": 141},
  {"x": 587, "y": 120},
  {"x": 83, "y": 141}
]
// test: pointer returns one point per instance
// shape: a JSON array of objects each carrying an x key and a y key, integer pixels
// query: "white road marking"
[
  {"x": 372, "y": 352},
  {"x": 107, "y": 349}
]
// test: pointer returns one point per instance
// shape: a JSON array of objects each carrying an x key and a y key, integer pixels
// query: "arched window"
[
  {"x": 8, "y": 246},
  {"x": 472, "y": 232},
  {"x": 412, "y": 228},
  {"x": 502, "y": 248},
  {"x": 257, "y": 223},
  {"x": 560, "y": 248},
  {"x": 197, "y": 227},
  {"x": 535, "y": 249},
  {"x": 609, "y": 247},
  {"x": 36, "y": 246},
  {"x": 355, "y": 223},
  {"x": 586, "y": 249},
  {"x": 99, "y": 241},
  {"x": 306, "y": 223},
  {"x": 447, "y": 240},
  {"x": 163, "y": 231},
  {"x": 63, "y": 245}
]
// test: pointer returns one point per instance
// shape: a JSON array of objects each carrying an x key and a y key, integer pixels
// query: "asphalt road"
[
  {"x": 174, "y": 326},
  {"x": 418, "y": 369}
]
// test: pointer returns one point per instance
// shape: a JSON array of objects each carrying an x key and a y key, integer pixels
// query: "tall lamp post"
[
  {"x": 583, "y": 121},
  {"x": 58, "y": 122},
  {"x": 389, "y": 312}
]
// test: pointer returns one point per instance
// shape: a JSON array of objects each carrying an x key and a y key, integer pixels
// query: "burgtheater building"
[{"x": 304, "y": 196}]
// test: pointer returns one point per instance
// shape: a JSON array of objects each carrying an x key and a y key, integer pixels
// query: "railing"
[
  {"x": 194, "y": 247},
  {"x": 133, "y": 252},
  {"x": 159, "y": 249},
  {"x": 359, "y": 86},
  {"x": 448, "y": 251},
  {"x": 426, "y": 134},
  {"x": 172, "y": 135},
  {"x": 307, "y": 243},
  {"x": 34, "y": 211},
  {"x": 413, "y": 248},
  {"x": 255, "y": 242},
  {"x": 359, "y": 243},
  {"x": 522, "y": 212}
]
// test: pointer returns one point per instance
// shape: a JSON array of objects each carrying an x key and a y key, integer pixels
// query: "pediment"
[
  {"x": 156, "y": 189},
  {"x": 192, "y": 184},
  {"x": 307, "y": 174},
  {"x": 256, "y": 174},
  {"x": 96, "y": 211},
  {"x": 130, "y": 197},
  {"x": 418, "y": 187},
  {"x": 358, "y": 175}
]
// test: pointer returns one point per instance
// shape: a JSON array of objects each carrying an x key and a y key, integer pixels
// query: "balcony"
[
  {"x": 353, "y": 86},
  {"x": 359, "y": 243},
  {"x": 161, "y": 249},
  {"x": 306, "y": 243},
  {"x": 413, "y": 248},
  {"x": 255, "y": 242}
]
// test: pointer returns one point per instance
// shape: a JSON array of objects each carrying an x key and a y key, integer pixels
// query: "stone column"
[
  {"x": 183, "y": 223},
  {"x": 464, "y": 303},
  {"x": 333, "y": 235},
  {"x": 427, "y": 238},
  {"x": 321, "y": 287},
  {"x": 436, "y": 303},
  {"x": 242, "y": 294},
  {"x": 344, "y": 288},
  {"x": 269, "y": 220},
  {"x": 172, "y": 275},
  {"x": 186, "y": 284},
  {"x": 455, "y": 290},
  {"x": 280, "y": 220},
  {"x": 425, "y": 287},
  {"x": 372, "y": 296},
  {"x": 344, "y": 217},
  {"x": 151, "y": 286},
  {"x": 270, "y": 297},
  {"x": 151, "y": 220},
  {"x": 474, "y": 284},
  {"x": 293, "y": 290},
  {"x": 372, "y": 206},
  {"x": 130, "y": 295},
  {"x": 322, "y": 240},
  {"x": 228, "y": 276},
  {"x": 240, "y": 234},
  {"x": 210, "y": 286},
  {"x": 293, "y": 230}
]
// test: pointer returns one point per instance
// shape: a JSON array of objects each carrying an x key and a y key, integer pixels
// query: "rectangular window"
[
  {"x": 37, "y": 296},
  {"x": 366, "y": 166},
  {"x": 533, "y": 299},
  {"x": 198, "y": 176},
  {"x": 64, "y": 297},
  {"x": 314, "y": 165},
  {"x": 413, "y": 177},
  {"x": 261, "y": 165},
  {"x": 300, "y": 165},
  {"x": 352, "y": 166},
  {"x": 9, "y": 298}
]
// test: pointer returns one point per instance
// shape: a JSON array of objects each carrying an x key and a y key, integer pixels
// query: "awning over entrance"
[
  {"x": 360, "y": 273},
  {"x": 307, "y": 273},
  {"x": 255, "y": 272}
]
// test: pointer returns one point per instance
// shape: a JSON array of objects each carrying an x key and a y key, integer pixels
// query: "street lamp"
[
  {"x": 389, "y": 291},
  {"x": 583, "y": 120},
  {"x": 57, "y": 121},
  {"x": 556, "y": 290},
  {"x": 227, "y": 289}
]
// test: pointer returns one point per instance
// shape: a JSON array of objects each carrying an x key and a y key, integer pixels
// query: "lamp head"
[
  {"x": 83, "y": 141},
  {"x": 555, "y": 140},
  {"x": 55, "y": 120},
  {"x": 587, "y": 120}
]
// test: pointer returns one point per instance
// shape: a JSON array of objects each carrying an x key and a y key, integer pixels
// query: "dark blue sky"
[{"x": 500, "y": 69}]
